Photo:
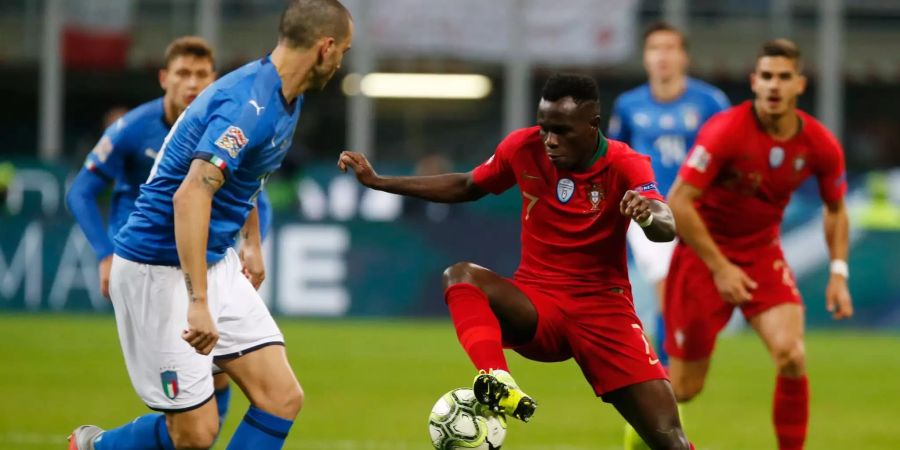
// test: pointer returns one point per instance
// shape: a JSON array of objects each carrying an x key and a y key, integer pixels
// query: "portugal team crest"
[
  {"x": 564, "y": 190},
  {"x": 595, "y": 195},
  {"x": 170, "y": 383},
  {"x": 232, "y": 141},
  {"x": 776, "y": 157}
]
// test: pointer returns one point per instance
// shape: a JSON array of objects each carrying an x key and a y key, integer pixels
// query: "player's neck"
[
  {"x": 780, "y": 126},
  {"x": 667, "y": 90},
  {"x": 294, "y": 67},
  {"x": 170, "y": 111}
]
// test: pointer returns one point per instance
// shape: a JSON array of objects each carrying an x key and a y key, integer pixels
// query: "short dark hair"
[
  {"x": 303, "y": 22},
  {"x": 665, "y": 26},
  {"x": 189, "y": 46},
  {"x": 782, "y": 47},
  {"x": 581, "y": 88}
]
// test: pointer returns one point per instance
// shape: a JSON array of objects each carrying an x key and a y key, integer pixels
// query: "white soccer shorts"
[
  {"x": 652, "y": 258},
  {"x": 151, "y": 304}
]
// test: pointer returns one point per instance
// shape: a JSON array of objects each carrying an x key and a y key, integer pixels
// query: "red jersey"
[
  {"x": 573, "y": 234},
  {"x": 747, "y": 177}
]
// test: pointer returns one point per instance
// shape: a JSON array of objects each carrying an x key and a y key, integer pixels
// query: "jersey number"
[{"x": 671, "y": 149}]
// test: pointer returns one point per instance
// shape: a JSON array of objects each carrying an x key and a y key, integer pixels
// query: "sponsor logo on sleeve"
[
  {"x": 647, "y": 187},
  {"x": 232, "y": 141},
  {"x": 699, "y": 159},
  {"x": 103, "y": 149}
]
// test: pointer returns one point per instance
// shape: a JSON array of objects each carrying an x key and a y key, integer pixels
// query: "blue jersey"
[
  {"x": 241, "y": 124},
  {"x": 664, "y": 131},
  {"x": 123, "y": 156}
]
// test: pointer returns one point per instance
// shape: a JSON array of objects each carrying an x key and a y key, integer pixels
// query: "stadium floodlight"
[{"x": 418, "y": 85}]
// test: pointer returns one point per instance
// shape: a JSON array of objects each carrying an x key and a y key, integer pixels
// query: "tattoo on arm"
[
  {"x": 190, "y": 287},
  {"x": 213, "y": 182}
]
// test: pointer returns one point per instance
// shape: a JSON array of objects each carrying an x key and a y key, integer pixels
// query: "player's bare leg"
[
  {"x": 194, "y": 429},
  {"x": 781, "y": 329},
  {"x": 687, "y": 377},
  {"x": 222, "y": 391},
  {"x": 275, "y": 395},
  {"x": 486, "y": 310},
  {"x": 651, "y": 409}
]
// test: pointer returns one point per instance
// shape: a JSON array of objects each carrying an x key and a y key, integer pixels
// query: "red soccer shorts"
[
  {"x": 599, "y": 329},
  {"x": 695, "y": 313}
]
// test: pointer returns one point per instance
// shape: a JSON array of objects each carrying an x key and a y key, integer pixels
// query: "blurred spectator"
[{"x": 880, "y": 213}]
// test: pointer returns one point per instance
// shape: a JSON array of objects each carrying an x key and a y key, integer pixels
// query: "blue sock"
[
  {"x": 148, "y": 432},
  {"x": 660, "y": 338},
  {"x": 260, "y": 430},
  {"x": 223, "y": 398}
]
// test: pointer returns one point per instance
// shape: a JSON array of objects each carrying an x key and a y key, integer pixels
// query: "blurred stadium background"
[{"x": 354, "y": 275}]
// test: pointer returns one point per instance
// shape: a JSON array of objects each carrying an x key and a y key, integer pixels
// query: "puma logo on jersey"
[{"x": 258, "y": 108}]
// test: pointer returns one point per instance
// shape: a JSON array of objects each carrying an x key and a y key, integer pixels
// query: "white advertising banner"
[{"x": 568, "y": 32}]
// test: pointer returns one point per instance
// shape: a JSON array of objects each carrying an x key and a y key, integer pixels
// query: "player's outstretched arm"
[
  {"x": 446, "y": 188},
  {"x": 837, "y": 231},
  {"x": 82, "y": 202},
  {"x": 193, "y": 205},
  {"x": 654, "y": 216},
  {"x": 732, "y": 283},
  {"x": 252, "y": 261}
]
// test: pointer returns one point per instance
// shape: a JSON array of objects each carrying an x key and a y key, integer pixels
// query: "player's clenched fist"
[
  {"x": 635, "y": 206},
  {"x": 201, "y": 333},
  {"x": 733, "y": 284},
  {"x": 360, "y": 166}
]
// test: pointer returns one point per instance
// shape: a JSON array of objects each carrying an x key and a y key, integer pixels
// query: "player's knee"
[
  {"x": 286, "y": 401},
  {"x": 196, "y": 437},
  {"x": 791, "y": 358},
  {"x": 461, "y": 272},
  {"x": 686, "y": 388}
]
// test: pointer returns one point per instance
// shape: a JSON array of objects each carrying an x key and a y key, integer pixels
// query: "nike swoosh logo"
[{"x": 150, "y": 153}]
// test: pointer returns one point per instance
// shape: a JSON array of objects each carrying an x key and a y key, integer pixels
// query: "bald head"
[{"x": 306, "y": 21}]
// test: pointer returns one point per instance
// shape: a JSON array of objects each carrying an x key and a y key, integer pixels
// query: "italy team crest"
[
  {"x": 595, "y": 195},
  {"x": 170, "y": 383},
  {"x": 564, "y": 190}
]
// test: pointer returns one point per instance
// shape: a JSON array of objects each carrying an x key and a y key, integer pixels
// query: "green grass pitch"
[{"x": 371, "y": 384}]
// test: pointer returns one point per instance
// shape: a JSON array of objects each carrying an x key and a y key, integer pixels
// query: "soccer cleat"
[
  {"x": 83, "y": 437},
  {"x": 498, "y": 390}
]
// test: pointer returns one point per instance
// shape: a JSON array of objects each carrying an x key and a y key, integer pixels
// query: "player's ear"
[
  {"x": 163, "y": 74},
  {"x": 326, "y": 46},
  {"x": 801, "y": 83},
  {"x": 595, "y": 121}
]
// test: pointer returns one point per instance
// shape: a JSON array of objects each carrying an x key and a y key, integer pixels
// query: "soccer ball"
[{"x": 458, "y": 421}]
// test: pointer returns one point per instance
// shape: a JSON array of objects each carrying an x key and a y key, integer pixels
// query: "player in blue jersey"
[
  {"x": 661, "y": 118},
  {"x": 178, "y": 288},
  {"x": 124, "y": 155}
]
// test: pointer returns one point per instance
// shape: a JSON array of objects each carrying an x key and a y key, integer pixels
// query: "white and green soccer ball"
[{"x": 458, "y": 421}]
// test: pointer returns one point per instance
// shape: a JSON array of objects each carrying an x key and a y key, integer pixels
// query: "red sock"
[
  {"x": 476, "y": 326},
  {"x": 692, "y": 445},
  {"x": 790, "y": 412}
]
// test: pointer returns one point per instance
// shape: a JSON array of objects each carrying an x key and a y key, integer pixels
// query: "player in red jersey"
[
  {"x": 570, "y": 297},
  {"x": 728, "y": 201}
]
